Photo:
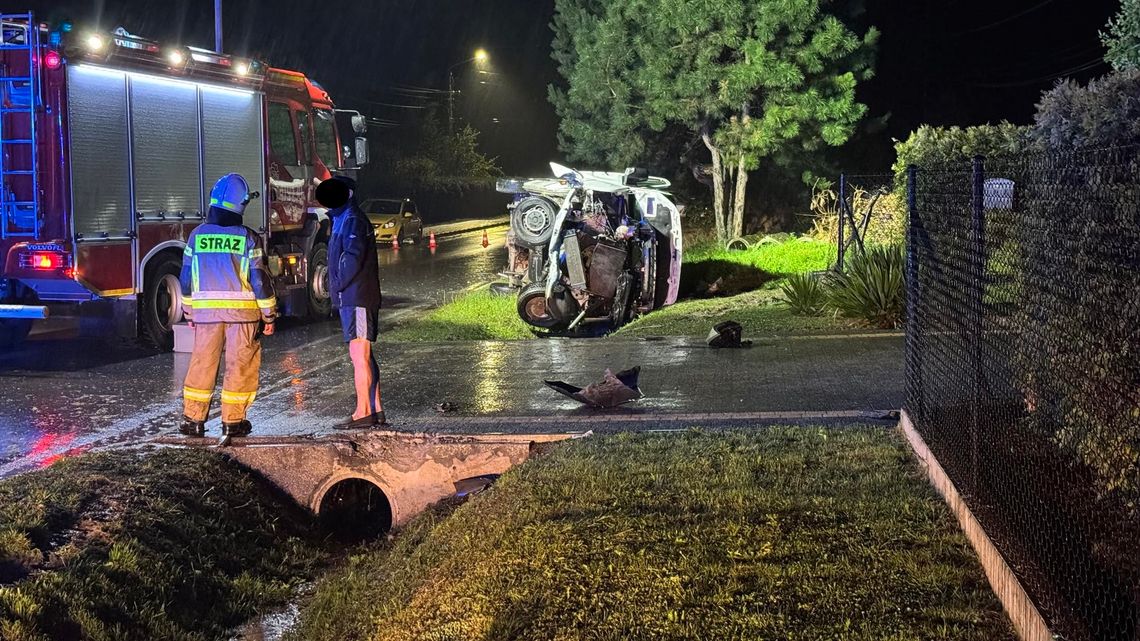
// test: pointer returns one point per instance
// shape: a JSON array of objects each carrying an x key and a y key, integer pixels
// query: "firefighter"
[
  {"x": 228, "y": 297},
  {"x": 354, "y": 283}
]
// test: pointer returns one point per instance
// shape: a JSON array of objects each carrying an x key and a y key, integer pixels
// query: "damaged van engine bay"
[{"x": 589, "y": 248}]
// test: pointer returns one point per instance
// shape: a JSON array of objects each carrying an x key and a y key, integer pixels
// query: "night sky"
[{"x": 953, "y": 62}]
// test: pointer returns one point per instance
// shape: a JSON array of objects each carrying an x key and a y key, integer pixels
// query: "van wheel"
[
  {"x": 532, "y": 221},
  {"x": 320, "y": 301},
  {"x": 161, "y": 306},
  {"x": 532, "y": 308}
]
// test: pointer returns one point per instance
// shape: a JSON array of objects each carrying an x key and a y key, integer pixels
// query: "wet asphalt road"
[
  {"x": 60, "y": 395},
  {"x": 65, "y": 396}
]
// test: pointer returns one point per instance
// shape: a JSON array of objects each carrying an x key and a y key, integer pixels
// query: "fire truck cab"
[{"x": 109, "y": 145}]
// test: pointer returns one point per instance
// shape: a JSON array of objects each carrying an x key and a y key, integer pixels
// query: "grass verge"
[
  {"x": 177, "y": 544},
  {"x": 761, "y": 313},
  {"x": 786, "y": 532},
  {"x": 478, "y": 315}
]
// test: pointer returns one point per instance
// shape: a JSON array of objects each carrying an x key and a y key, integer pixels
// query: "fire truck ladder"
[{"x": 19, "y": 99}]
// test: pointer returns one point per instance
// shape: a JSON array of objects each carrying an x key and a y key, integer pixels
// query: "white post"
[{"x": 218, "y": 26}]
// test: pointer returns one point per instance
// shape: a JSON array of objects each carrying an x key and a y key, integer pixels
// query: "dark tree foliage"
[{"x": 1122, "y": 38}]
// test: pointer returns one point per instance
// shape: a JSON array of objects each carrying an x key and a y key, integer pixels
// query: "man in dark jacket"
[{"x": 354, "y": 283}]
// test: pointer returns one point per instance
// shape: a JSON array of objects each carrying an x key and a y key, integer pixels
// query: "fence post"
[
  {"x": 842, "y": 220},
  {"x": 977, "y": 300},
  {"x": 914, "y": 355}
]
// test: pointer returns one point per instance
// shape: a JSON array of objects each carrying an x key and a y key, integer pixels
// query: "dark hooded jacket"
[{"x": 354, "y": 273}]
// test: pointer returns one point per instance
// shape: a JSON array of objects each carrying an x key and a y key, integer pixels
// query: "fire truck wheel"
[
  {"x": 161, "y": 306},
  {"x": 320, "y": 303}
]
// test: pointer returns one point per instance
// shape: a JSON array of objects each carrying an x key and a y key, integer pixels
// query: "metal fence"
[
  {"x": 869, "y": 212},
  {"x": 1023, "y": 368}
]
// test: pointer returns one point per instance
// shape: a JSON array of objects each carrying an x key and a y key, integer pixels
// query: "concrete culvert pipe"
[{"x": 355, "y": 510}]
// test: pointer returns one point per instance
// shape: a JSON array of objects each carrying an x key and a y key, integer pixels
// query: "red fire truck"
[{"x": 109, "y": 145}]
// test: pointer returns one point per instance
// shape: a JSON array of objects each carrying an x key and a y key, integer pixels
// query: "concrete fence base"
[{"x": 1027, "y": 620}]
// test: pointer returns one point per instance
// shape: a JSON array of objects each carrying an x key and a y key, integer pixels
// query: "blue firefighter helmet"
[{"x": 231, "y": 193}]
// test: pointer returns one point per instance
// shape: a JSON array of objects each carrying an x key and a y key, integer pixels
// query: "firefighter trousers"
[{"x": 243, "y": 361}]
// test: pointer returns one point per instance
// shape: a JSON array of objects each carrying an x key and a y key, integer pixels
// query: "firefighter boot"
[
  {"x": 239, "y": 429},
  {"x": 190, "y": 427}
]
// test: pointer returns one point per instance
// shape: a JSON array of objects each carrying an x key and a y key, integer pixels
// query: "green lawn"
[
  {"x": 478, "y": 315},
  {"x": 178, "y": 544},
  {"x": 793, "y": 255},
  {"x": 777, "y": 533}
]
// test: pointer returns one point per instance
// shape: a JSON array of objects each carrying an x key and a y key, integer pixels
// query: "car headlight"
[{"x": 389, "y": 225}]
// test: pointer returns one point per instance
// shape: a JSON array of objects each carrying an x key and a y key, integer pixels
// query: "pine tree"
[{"x": 1123, "y": 37}]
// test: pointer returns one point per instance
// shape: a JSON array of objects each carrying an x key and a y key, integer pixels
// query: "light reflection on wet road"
[{"x": 60, "y": 395}]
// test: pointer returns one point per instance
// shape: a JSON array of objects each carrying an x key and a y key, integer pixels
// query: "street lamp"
[{"x": 480, "y": 57}]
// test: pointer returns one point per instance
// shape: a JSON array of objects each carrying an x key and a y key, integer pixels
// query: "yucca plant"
[
  {"x": 872, "y": 288},
  {"x": 804, "y": 295}
]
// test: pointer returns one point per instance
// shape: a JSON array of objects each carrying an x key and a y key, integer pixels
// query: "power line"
[
  {"x": 998, "y": 23},
  {"x": 1093, "y": 64},
  {"x": 394, "y": 106}
]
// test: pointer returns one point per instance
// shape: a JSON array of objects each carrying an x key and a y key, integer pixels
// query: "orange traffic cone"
[
  {"x": 395, "y": 242},
  {"x": 486, "y": 241},
  {"x": 431, "y": 241}
]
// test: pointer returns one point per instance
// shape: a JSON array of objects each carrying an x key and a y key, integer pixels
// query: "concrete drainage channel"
[{"x": 361, "y": 484}]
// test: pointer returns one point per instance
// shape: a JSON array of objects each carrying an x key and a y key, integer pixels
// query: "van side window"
[
  {"x": 324, "y": 134},
  {"x": 282, "y": 143},
  {"x": 306, "y": 138}
]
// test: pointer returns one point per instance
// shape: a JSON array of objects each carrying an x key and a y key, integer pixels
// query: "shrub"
[
  {"x": 935, "y": 146},
  {"x": 1105, "y": 113},
  {"x": 872, "y": 288},
  {"x": 804, "y": 295}
]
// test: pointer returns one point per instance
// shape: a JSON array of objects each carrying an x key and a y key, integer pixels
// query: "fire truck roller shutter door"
[
  {"x": 232, "y": 144},
  {"x": 164, "y": 125},
  {"x": 99, "y": 152}
]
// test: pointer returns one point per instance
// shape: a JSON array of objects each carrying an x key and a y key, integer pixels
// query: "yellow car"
[{"x": 394, "y": 218}]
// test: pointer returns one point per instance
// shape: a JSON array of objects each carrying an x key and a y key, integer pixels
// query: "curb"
[
  {"x": 1026, "y": 618},
  {"x": 478, "y": 226}
]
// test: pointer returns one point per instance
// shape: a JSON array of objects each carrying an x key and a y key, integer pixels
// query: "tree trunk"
[
  {"x": 719, "y": 213},
  {"x": 737, "y": 228}
]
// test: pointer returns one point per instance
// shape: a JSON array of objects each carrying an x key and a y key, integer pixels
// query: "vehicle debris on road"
[
  {"x": 613, "y": 390},
  {"x": 727, "y": 334}
]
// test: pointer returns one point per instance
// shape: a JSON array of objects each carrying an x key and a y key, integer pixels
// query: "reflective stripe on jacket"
[{"x": 224, "y": 278}]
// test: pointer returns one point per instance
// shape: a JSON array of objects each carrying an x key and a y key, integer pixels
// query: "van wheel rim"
[
  {"x": 536, "y": 308},
  {"x": 535, "y": 220}
]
